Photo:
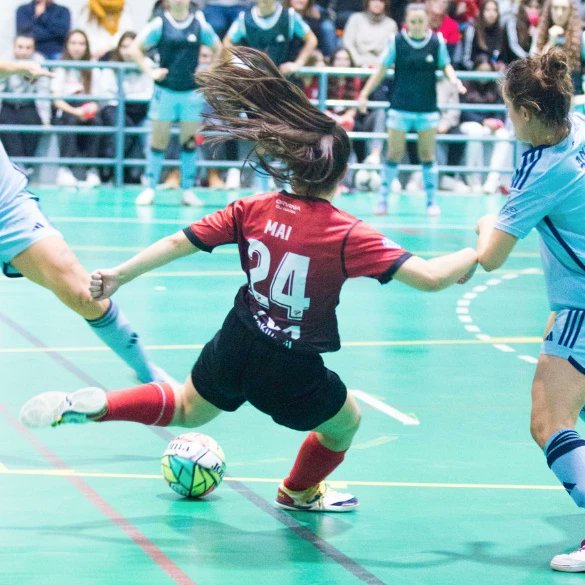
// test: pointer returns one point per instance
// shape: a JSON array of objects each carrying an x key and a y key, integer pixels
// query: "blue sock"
[
  {"x": 565, "y": 455},
  {"x": 188, "y": 159},
  {"x": 430, "y": 180},
  {"x": 115, "y": 331},
  {"x": 389, "y": 173},
  {"x": 154, "y": 164}
]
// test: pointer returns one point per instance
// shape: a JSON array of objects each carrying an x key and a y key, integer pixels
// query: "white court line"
[
  {"x": 528, "y": 358},
  {"x": 385, "y": 408},
  {"x": 503, "y": 347}
]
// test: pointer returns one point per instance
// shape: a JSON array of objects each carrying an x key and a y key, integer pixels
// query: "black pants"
[
  {"x": 20, "y": 143},
  {"x": 78, "y": 145},
  {"x": 134, "y": 115}
]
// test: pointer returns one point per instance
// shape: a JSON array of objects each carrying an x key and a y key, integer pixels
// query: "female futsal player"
[
  {"x": 415, "y": 54},
  {"x": 297, "y": 250},
  {"x": 31, "y": 247},
  {"x": 548, "y": 194},
  {"x": 177, "y": 36}
]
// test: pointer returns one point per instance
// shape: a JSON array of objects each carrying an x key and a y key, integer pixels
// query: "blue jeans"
[{"x": 221, "y": 17}]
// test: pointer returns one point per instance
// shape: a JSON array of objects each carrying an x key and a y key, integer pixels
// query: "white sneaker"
[
  {"x": 190, "y": 199},
  {"x": 146, "y": 197},
  {"x": 318, "y": 498},
  {"x": 232, "y": 179},
  {"x": 396, "y": 187},
  {"x": 65, "y": 178},
  {"x": 433, "y": 210},
  {"x": 573, "y": 562},
  {"x": 372, "y": 159},
  {"x": 490, "y": 187},
  {"x": 51, "y": 409},
  {"x": 91, "y": 181},
  {"x": 414, "y": 183}
]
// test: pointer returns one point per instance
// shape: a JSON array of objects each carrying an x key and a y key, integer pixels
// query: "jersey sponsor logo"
[
  {"x": 278, "y": 230},
  {"x": 280, "y": 39},
  {"x": 429, "y": 59},
  {"x": 388, "y": 243},
  {"x": 192, "y": 38},
  {"x": 286, "y": 206},
  {"x": 581, "y": 158}
]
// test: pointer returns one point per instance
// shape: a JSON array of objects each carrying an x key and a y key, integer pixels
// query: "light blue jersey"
[
  {"x": 22, "y": 223},
  {"x": 12, "y": 180},
  {"x": 548, "y": 193}
]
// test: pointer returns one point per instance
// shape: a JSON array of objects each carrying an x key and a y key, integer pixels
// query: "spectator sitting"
[
  {"x": 310, "y": 83},
  {"x": 560, "y": 25},
  {"x": 520, "y": 30},
  {"x": 318, "y": 21},
  {"x": 368, "y": 33},
  {"x": 71, "y": 82},
  {"x": 48, "y": 23},
  {"x": 449, "y": 153},
  {"x": 440, "y": 22},
  {"x": 485, "y": 38},
  {"x": 484, "y": 123},
  {"x": 16, "y": 111},
  {"x": 136, "y": 86},
  {"x": 464, "y": 12},
  {"x": 104, "y": 21}
]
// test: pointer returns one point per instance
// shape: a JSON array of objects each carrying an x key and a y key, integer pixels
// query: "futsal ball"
[
  {"x": 193, "y": 465},
  {"x": 365, "y": 180}
]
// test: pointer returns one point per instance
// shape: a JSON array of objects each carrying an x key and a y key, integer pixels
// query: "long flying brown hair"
[{"x": 251, "y": 100}]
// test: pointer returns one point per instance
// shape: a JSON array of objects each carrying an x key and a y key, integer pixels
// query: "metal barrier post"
[
  {"x": 120, "y": 130},
  {"x": 323, "y": 86}
]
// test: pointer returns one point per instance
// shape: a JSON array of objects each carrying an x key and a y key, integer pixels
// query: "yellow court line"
[
  {"x": 196, "y": 346},
  {"x": 273, "y": 480}
]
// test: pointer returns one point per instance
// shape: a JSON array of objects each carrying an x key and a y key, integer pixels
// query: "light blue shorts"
[
  {"x": 175, "y": 106},
  {"x": 566, "y": 339},
  {"x": 22, "y": 224},
  {"x": 411, "y": 121}
]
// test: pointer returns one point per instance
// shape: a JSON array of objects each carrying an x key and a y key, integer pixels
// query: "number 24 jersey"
[{"x": 296, "y": 252}]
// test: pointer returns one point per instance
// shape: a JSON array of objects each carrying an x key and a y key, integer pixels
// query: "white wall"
[{"x": 138, "y": 9}]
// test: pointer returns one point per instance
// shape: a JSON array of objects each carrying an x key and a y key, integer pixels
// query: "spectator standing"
[
  {"x": 47, "y": 22},
  {"x": 71, "y": 82},
  {"x": 104, "y": 21},
  {"x": 136, "y": 86},
  {"x": 17, "y": 111}
]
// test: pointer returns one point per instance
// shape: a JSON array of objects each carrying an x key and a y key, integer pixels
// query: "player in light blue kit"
[
  {"x": 31, "y": 247},
  {"x": 548, "y": 193},
  {"x": 177, "y": 36}
]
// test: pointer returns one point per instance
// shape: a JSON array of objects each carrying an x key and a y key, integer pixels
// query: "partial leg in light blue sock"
[
  {"x": 430, "y": 180},
  {"x": 188, "y": 159},
  {"x": 154, "y": 164},
  {"x": 389, "y": 172},
  {"x": 115, "y": 331},
  {"x": 565, "y": 455}
]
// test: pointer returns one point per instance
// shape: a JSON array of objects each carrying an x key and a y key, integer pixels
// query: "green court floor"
[{"x": 452, "y": 489}]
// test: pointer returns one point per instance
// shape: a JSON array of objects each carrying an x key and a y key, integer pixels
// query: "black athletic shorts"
[{"x": 239, "y": 365}]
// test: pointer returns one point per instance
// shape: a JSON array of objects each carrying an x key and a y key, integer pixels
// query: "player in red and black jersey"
[{"x": 296, "y": 250}]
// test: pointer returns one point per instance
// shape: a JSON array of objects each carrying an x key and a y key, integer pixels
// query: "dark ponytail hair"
[
  {"x": 543, "y": 85},
  {"x": 251, "y": 100}
]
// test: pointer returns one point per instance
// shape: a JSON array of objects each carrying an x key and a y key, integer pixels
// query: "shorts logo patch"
[{"x": 37, "y": 226}]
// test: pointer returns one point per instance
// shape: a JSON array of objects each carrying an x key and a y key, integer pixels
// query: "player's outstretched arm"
[
  {"x": 438, "y": 273},
  {"x": 105, "y": 282},
  {"x": 493, "y": 245}
]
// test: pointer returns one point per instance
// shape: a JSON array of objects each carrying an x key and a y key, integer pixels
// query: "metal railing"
[{"x": 120, "y": 131}]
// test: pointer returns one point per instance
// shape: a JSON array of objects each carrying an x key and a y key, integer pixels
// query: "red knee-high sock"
[
  {"x": 313, "y": 464},
  {"x": 149, "y": 404}
]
